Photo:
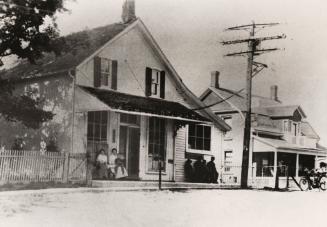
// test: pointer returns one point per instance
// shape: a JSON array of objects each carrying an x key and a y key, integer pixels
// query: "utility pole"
[{"x": 253, "y": 69}]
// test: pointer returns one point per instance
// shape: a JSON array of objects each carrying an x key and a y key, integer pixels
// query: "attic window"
[
  {"x": 105, "y": 73},
  {"x": 155, "y": 83}
]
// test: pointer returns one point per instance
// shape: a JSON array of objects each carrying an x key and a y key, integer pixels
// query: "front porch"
[
  {"x": 135, "y": 134},
  {"x": 154, "y": 185}
]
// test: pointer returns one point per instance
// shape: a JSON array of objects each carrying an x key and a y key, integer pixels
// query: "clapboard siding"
[{"x": 180, "y": 154}]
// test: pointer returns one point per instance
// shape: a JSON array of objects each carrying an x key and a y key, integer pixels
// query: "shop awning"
[{"x": 94, "y": 99}]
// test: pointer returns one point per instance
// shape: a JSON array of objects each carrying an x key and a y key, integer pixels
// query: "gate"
[{"x": 77, "y": 167}]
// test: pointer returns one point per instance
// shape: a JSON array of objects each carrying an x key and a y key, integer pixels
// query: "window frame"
[
  {"x": 155, "y": 83},
  {"x": 98, "y": 124},
  {"x": 194, "y": 150},
  {"x": 228, "y": 134},
  {"x": 228, "y": 164},
  {"x": 105, "y": 76},
  {"x": 149, "y": 144}
]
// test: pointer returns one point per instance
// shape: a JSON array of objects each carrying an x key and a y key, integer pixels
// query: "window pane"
[
  {"x": 191, "y": 142},
  {"x": 90, "y": 116},
  {"x": 157, "y": 146},
  {"x": 199, "y": 131},
  {"x": 206, "y": 144},
  {"x": 97, "y": 117},
  {"x": 104, "y": 117},
  {"x": 191, "y": 130},
  {"x": 105, "y": 65},
  {"x": 90, "y": 131},
  {"x": 207, "y": 132},
  {"x": 96, "y": 132},
  {"x": 199, "y": 144},
  {"x": 104, "y": 132}
]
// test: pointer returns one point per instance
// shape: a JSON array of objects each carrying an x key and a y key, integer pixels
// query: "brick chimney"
[
  {"x": 128, "y": 13},
  {"x": 215, "y": 79},
  {"x": 274, "y": 93}
]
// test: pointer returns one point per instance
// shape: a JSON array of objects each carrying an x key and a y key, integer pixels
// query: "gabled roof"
[
  {"x": 308, "y": 131},
  {"x": 91, "y": 42},
  {"x": 237, "y": 102},
  {"x": 284, "y": 111},
  {"x": 81, "y": 45}
]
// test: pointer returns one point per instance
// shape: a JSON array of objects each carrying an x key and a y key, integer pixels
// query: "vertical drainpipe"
[{"x": 73, "y": 110}]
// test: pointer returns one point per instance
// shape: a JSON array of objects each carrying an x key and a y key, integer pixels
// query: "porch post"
[
  {"x": 275, "y": 171},
  {"x": 275, "y": 163},
  {"x": 297, "y": 165},
  {"x": 316, "y": 162}
]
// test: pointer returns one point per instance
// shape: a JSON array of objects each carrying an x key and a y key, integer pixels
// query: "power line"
[
  {"x": 220, "y": 101},
  {"x": 253, "y": 69}
]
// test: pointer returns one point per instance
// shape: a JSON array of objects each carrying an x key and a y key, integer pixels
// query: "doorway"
[{"x": 129, "y": 149}]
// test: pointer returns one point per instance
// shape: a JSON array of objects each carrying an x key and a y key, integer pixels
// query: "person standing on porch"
[
  {"x": 188, "y": 170},
  {"x": 198, "y": 169},
  {"x": 120, "y": 170},
  {"x": 213, "y": 173},
  {"x": 102, "y": 161},
  {"x": 112, "y": 163}
]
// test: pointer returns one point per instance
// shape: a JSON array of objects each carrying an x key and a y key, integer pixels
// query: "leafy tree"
[{"x": 28, "y": 29}]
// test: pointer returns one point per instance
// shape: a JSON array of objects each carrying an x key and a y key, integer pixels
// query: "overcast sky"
[{"x": 189, "y": 32}]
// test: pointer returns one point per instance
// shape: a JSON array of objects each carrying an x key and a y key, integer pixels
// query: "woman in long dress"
[
  {"x": 120, "y": 169},
  {"x": 112, "y": 163},
  {"x": 102, "y": 161}
]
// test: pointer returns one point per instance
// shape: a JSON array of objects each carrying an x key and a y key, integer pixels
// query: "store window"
[
  {"x": 157, "y": 143},
  {"x": 97, "y": 126}
]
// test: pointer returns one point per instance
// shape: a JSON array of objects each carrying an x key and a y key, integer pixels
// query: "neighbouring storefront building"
[{"x": 280, "y": 134}]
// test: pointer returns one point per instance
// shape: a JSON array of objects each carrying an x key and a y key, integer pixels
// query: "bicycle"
[{"x": 312, "y": 180}]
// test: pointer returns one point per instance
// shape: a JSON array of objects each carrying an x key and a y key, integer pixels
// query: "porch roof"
[
  {"x": 126, "y": 103},
  {"x": 283, "y": 146}
]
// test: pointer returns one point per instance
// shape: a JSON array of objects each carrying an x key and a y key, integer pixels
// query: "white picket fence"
[{"x": 34, "y": 166}]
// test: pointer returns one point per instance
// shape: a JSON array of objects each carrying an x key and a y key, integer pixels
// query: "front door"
[{"x": 129, "y": 148}]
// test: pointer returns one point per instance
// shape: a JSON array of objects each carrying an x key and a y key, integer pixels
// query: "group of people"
[
  {"x": 200, "y": 171},
  {"x": 110, "y": 166}
]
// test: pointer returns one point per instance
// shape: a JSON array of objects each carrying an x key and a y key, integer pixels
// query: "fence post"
[{"x": 66, "y": 168}]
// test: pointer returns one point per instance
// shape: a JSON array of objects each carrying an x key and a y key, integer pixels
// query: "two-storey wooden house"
[{"x": 115, "y": 88}]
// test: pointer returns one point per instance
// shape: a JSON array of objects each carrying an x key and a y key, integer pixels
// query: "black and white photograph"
[{"x": 169, "y": 113}]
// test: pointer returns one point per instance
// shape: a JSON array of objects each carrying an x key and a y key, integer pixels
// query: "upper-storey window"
[
  {"x": 155, "y": 83},
  {"x": 199, "y": 137},
  {"x": 228, "y": 120},
  {"x": 287, "y": 125},
  {"x": 105, "y": 73},
  {"x": 291, "y": 127}
]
